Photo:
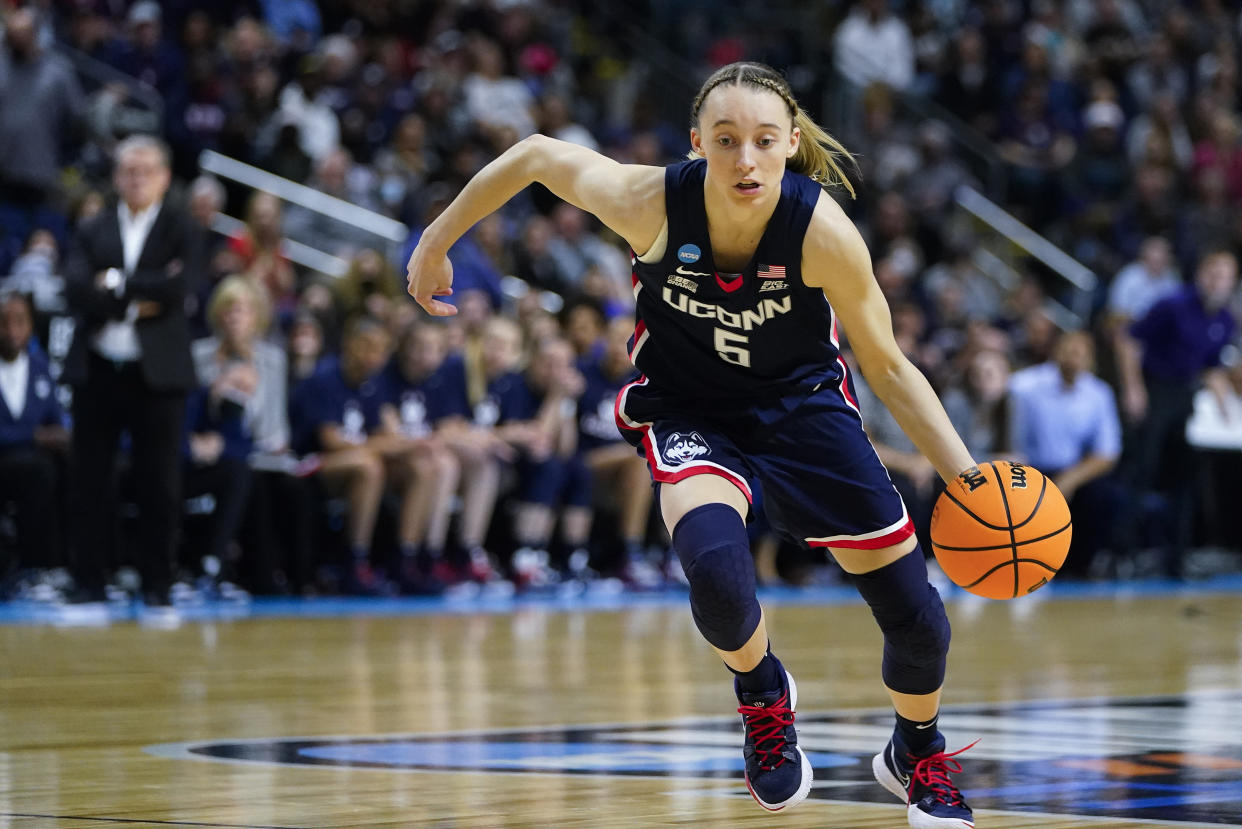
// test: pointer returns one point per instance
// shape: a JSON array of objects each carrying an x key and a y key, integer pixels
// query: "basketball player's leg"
[
  {"x": 930, "y": 659},
  {"x": 908, "y": 609},
  {"x": 704, "y": 515},
  {"x": 704, "y": 497},
  {"x": 823, "y": 483}
]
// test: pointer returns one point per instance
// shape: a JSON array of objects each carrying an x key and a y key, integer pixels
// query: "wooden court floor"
[{"x": 1125, "y": 712}]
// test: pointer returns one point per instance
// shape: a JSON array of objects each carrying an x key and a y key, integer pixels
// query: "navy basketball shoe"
[
  {"x": 923, "y": 784},
  {"x": 777, "y": 772}
]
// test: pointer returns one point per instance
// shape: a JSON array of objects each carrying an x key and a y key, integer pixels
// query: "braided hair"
[{"x": 818, "y": 155}]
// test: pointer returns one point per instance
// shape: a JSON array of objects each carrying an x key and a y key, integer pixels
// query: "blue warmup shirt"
[
  {"x": 705, "y": 335},
  {"x": 509, "y": 397},
  {"x": 41, "y": 409},
  {"x": 325, "y": 398},
  {"x": 597, "y": 420},
  {"x": 422, "y": 405},
  {"x": 1180, "y": 339}
]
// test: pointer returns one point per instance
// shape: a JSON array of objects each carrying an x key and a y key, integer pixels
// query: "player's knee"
[
  {"x": 912, "y": 617},
  {"x": 714, "y": 550},
  {"x": 916, "y": 651}
]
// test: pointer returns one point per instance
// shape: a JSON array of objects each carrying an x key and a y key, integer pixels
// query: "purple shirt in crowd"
[{"x": 1180, "y": 339}]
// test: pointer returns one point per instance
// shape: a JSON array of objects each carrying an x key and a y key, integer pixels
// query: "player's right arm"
[{"x": 628, "y": 198}]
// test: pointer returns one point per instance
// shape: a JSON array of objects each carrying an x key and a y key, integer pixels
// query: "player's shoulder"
[{"x": 832, "y": 240}]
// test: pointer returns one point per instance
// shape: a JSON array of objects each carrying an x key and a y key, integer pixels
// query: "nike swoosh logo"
[
  {"x": 924, "y": 727},
  {"x": 903, "y": 779},
  {"x": 681, "y": 270}
]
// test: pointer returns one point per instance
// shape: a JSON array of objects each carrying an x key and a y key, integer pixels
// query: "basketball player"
[{"x": 743, "y": 265}]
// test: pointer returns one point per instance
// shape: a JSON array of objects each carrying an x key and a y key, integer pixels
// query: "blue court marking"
[
  {"x": 338, "y": 607},
  {"x": 603, "y": 756}
]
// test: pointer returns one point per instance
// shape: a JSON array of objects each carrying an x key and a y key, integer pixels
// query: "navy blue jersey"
[
  {"x": 42, "y": 408},
  {"x": 422, "y": 405},
  {"x": 707, "y": 335},
  {"x": 509, "y": 397},
  {"x": 325, "y": 398},
  {"x": 597, "y": 421}
]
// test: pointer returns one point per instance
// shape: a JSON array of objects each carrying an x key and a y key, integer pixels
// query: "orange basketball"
[{"x": 1001, "y": 530}]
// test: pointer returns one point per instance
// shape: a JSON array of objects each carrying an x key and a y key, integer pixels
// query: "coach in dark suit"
[{"x": 130, "y": 366}]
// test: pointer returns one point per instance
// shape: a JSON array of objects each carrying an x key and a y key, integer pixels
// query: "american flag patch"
[{"x": 771, "y": 271}]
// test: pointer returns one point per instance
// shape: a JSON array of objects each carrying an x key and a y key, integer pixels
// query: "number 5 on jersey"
[{"x": 731, "y": 347}]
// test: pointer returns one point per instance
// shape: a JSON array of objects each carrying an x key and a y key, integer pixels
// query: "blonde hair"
[
  {"x": 230, "y": 290},
  {"x": 819, "y": 155}
]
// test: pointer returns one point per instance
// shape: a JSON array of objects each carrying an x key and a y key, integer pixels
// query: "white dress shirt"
[
  {"x": 118, "y": 339},
  {"x": 14, "y": 379}
]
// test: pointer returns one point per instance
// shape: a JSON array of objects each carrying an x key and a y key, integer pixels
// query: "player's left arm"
[{"x": 835, "y": 259}]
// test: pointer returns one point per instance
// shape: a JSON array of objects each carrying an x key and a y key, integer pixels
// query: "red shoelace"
[
  {"x": 766, "y": 726},
  {"x": 933, "y": 772}
]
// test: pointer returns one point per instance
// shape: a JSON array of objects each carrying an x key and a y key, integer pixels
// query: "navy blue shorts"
[
  {"x": 555, "y": 481},
  {"x": 823, "y": 484}
]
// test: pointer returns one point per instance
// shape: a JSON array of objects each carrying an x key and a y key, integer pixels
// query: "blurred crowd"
[{"x": 335, "y": 440}]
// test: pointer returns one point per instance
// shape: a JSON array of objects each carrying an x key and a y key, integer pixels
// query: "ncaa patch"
[
  {"x": 680, "y": 448},
  {"x": 689, "y": 254},
  {"x": 1176, "y": 759}
]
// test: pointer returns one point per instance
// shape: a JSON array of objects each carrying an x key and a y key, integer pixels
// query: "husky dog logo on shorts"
[{"x": 680, "y": 448}]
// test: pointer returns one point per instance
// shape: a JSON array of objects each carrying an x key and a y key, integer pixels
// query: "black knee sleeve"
[
  {"x": 714, "y": 550},
  {"x": 912, "y": 617}
]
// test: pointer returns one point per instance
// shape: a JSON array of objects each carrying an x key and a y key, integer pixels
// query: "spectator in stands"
[
  {"x": 1038, "y": 146},
  {"x": 336, "y": 413},
  {"x": 42, "y": 111},
  {"x": 131, "y": 368},
  {"x": 145, "y": 54},
  {"x": 1159, "y": 134},
  {"x": 303, "y": 104},
  {"x": 1150, "y": 209},
  {"x": 979, "y": 405},
  {"x": 33, "y": 437},
  {"x": 584, "y": 323},
  {"x": 1210, "y": 219},
  {"x": 622, "y": 475},
  {"x": 1141, "y": 284},
  {"x": 1065, "y": 424},
  {"x": 967, "y": 85},
  {"x": 427, "y": 394},
  {"x": 873, "y": 44},
  {"x": 306, "y": 347},
  {"x": 370, "y": 288},
  {"x": 1221, "y": 151},
  {"x": 36, "y": 272},
  {"x": 533, "y": 260},
  {"x": 577, "y": 249},
  {"x": 497, "y": 103},
  {"x": 553, "y": 481},
  {"x": 555, "y": 121},
  {"x": 336, "y": 175},
  {"x": 1098, "y": 177},
  {"x": 204, "y": 200},
  {"x": 1157, "y": 74},
  {"x": 259, "y": 245},
  {"x": 243, "y": 400},
  {"x": 1174, "y": 349},
  {"x": 404, "y": 167}
]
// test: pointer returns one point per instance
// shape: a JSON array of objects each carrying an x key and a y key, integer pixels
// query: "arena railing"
[
  {"x": 290, "y": 191},
  {"x": 1008, "y": 245},
  {"x": 393, "y": 232},
  {"x": 96, "y": 74},
  {"x": 293, "y": 250}
]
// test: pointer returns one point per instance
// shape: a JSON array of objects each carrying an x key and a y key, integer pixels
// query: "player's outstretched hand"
[{"x": 430, "y": 276}]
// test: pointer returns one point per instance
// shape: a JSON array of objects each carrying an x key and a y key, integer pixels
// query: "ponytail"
[{"x": 819, "y": 155}]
